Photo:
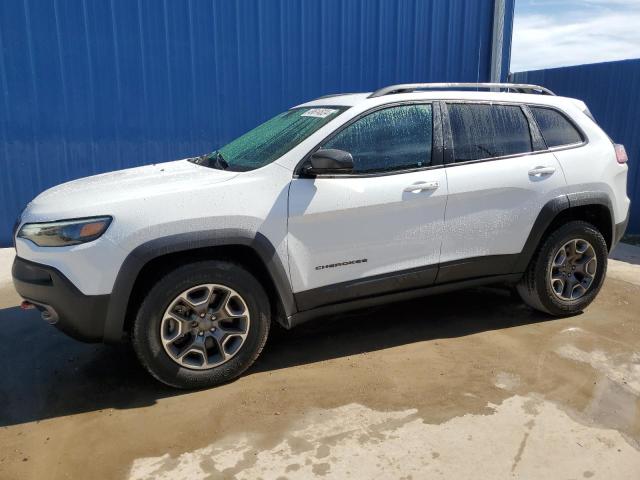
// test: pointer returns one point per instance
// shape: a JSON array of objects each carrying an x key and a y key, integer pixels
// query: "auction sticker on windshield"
[{"x": 319, "y": 112}]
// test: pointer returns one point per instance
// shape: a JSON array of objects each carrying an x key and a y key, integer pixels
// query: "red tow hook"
[{"x": 26, "y": 305}]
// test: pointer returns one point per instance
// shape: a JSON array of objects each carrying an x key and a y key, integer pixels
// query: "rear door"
[
  {"x": 499, "y": 178},
  {"x": 379, "y": 228}
]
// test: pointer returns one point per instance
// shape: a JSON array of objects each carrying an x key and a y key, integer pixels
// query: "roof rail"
[
  {"x": 411, "y": 87},
  {"x": 333, "y": 95}
]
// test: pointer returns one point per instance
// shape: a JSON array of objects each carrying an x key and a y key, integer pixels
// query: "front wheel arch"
[{"x": 150, "y": 260}]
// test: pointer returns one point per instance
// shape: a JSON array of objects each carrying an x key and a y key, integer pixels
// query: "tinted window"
[
  {"x": 555, "y": 128},
  {"x": 396, "y": 138},
  {"x": 486, "y": 131}
]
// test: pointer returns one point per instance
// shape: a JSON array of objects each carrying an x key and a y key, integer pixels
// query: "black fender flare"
[
  {"x": 548, "y": 214},
  {"x": 580, "y": 199},
  {"x": 144, "y": 253}
]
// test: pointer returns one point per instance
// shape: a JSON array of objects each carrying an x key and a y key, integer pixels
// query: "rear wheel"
[
  {"x": 201, "y": 325},
  {"x": 567, "y": 271}
]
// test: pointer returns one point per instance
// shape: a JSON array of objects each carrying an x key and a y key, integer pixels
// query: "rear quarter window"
[{"x": 555, "y": 128}]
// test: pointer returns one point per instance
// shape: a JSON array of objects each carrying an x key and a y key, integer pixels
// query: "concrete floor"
[{"x": 464, "y": 385}]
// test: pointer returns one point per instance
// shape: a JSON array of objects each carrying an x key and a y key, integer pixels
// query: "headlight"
[
  {"x": 65, "y": 232},
  {"x": 14, "y": 231}
]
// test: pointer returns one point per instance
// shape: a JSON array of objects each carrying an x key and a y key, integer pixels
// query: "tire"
[
  {"x": 162, "y": 358},
  {"x": 536, "y": 287}
]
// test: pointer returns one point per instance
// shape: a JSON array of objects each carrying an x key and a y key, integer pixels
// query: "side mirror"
[{"x": 328, "y": 161}]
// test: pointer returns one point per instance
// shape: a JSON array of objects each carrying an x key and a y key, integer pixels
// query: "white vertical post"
[{"x": 497, "y": 40}]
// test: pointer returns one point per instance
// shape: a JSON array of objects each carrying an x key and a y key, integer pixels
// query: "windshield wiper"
[
  {"x": 212, "y": 160},
  {"x": 221, "y": 163}
]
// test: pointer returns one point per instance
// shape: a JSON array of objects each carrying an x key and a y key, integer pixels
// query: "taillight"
[{"x": 621, "y": 153}]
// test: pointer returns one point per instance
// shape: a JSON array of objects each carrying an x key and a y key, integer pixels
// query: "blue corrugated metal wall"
[
  {"x": 93, "y": 86},
  {"x": 611, "y": 90}
]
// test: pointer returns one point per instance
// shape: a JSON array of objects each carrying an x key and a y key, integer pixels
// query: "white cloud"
[{"x": 567, "y": 38}]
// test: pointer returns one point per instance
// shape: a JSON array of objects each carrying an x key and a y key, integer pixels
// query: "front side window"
[
  {"x": 396, "y": 138},
  {"x": 555, "y": 128},
  {"x": 269, "y": 141},
  {"x": 483, "y": 131}
]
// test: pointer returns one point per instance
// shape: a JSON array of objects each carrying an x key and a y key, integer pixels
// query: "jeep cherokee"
[{"x": 340, "y": 203}]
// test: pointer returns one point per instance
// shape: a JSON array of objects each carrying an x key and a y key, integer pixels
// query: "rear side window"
[
  {"x": 555, "y": 128},
  {"x": 485, "y": 131},
  {"x": 396, "y": 138}
]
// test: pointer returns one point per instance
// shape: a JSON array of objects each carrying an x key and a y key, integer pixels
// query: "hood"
[{"x": 93, "y": 195}]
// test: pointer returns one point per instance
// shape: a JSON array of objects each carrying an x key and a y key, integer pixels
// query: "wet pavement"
[{"x": 465, "y": 385}]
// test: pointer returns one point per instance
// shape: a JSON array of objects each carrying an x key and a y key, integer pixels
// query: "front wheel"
[
  {"x": 567, "y": 271},
  {"x": 202, "y": 324}
]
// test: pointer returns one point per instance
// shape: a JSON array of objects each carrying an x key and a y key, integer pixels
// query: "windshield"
[{"x": 269, "y": 141}]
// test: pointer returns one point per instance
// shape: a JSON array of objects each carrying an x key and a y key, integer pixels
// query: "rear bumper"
[
  {"x": 79, "y": 316},
  {"x": 619, "y": 230}
]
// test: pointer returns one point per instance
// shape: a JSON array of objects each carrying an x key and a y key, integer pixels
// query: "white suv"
[{"x": 340, "y": 203}]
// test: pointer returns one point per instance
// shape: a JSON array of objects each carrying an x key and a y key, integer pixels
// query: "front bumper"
[{"x": 79, "y": 316}]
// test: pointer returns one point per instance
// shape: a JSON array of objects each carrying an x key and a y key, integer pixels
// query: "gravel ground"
[{"x": 464, "y": 385}]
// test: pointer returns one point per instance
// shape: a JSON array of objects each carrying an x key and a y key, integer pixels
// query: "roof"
[{"x": 354, "y": 99}]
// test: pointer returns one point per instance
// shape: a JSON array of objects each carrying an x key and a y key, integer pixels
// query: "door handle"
[
  {"x": 420, "y": 186},
  {"x": 539, "y": 171}
]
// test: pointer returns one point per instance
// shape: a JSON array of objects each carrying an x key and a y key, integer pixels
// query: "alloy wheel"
[
  {"x": 205, "y": 326},
  {"x": 573, "y": 269}
]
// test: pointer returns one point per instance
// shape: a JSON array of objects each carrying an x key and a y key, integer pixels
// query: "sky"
[{"x": 556, "y": 33}]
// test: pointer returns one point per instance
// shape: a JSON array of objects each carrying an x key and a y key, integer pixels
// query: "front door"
[{"x": 379, "y": 228}]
